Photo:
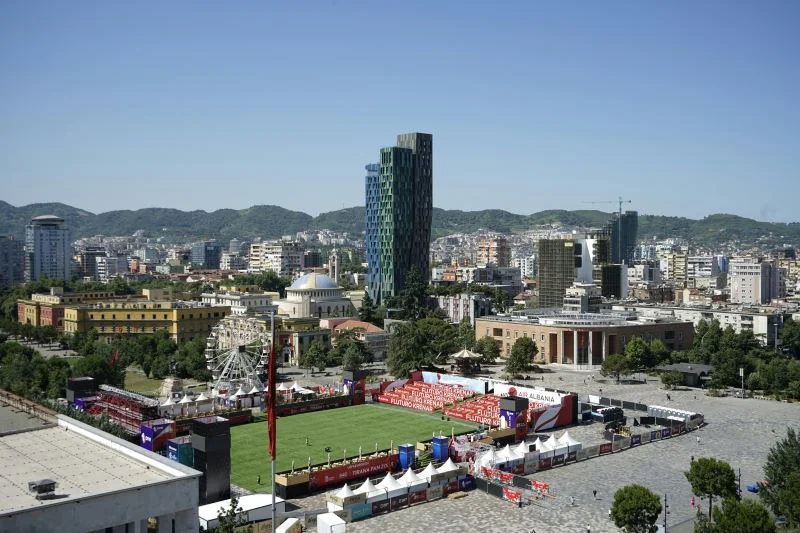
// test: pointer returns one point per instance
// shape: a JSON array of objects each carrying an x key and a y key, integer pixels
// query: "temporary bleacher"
[
  {"x": 126, "y": 408},
  {"x": 483, "y": 410},
  {"x": 425, "y": 396}
]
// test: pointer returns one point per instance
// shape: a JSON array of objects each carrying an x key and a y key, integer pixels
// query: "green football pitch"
[{"x": 341, "y": 429}]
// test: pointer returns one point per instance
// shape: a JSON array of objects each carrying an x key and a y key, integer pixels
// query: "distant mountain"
[{"x": 269, "y": 222}]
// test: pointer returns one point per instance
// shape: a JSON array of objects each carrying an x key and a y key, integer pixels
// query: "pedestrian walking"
[
  {"x": 572, "y": 501},
  {"x": 692, "y": 500},
  {"x": 698, "y": 439},
  {"x": 258, "y": 480},
  {"x": 594, "y": 493}
]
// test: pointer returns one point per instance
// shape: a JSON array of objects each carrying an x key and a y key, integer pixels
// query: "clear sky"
[{"x": 687, "y": 108}]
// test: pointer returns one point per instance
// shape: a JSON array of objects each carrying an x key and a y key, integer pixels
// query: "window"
[
  {"x": 129, "y": 317},
  {"x": 516, "y": 334},
  {"x": 154, "y": 316},
  {"x": 113, "y": 317},
  {"x": 508, "y": 333},
  {"x": 669, "y": 334}
]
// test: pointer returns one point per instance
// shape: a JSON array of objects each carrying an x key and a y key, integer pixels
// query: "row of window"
[{"x": 216, "y": 314}]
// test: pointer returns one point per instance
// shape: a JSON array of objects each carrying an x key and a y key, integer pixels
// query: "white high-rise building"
[
  {"x": 755, "y": 281},
  {"x": 48, "y": 249},
  {"x": 526, "y": 266}
]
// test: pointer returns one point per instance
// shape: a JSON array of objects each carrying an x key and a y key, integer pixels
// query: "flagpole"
[{"x": 272, "y": 419}]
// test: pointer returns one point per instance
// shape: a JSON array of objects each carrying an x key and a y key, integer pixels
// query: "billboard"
[
  {"x": 154, "y": 434},
  {"x": 339, "y": 474},
  {"x": 562, "y": 414},
  {"x": 539, "y": 396}
]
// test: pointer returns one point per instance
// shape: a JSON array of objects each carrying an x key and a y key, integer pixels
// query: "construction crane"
[{"x": 619, "y": 201}]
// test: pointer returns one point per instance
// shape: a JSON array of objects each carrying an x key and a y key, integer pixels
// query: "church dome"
[{"x": 313, "y": 281}]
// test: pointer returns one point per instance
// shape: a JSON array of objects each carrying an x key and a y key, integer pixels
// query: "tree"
[
  {"x": 352, "y": 360},
  {"x": 711, "y": 477},
  {"x": 412, "y": 298},
  {"x": 466, "y": 334},
  {"x": 344, "y": 339},
  {"x": 487, "y": 347},
  {"x": 232, "y": 519},
  {"x": 671, "y": 379},
  {"x": 781, "y": 471},
  {"x": 367, "y": 311},
  {"x": 314, "y": 356},
  {"x": 658, "y": 353},
  {"x": 746, "y": 516},
  {"x": 638, "y": 352},
  {"x": 407, "y": 350},
  {"x": 636, "y": 509},
  {"x": 441, "y": 337},
  {"x": 790, "y": 336},
  {"x": 521, "y": 356},
  {"x": 616, "y": 365}
]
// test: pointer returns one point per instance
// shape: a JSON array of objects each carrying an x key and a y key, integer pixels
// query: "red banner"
[
  {"x": 339, "y": 474},
  {"x": 539, "y": 486},
  {"x": 506, "y": 477},
  {"x": 511, "y": 495},
  {"x": 488, "y": 473},
  {"x": 605, "y": 448},
  {"x": 272, "y": 419}
]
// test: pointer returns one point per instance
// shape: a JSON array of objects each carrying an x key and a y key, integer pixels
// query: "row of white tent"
[
  {"x": 390, "y": 486},
  {"x": 552, "y": 446}
]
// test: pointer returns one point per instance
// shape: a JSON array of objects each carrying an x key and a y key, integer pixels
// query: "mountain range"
[{"x": 269, "y": 222}]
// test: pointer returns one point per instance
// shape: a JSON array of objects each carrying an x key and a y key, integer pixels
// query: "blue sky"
[{"x": 686, "y": 108}]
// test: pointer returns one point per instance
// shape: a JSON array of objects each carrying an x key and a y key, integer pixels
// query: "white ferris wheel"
[{"x": 237, "y": 354}]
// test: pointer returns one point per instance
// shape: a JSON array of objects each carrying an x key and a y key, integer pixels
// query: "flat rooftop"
[{"x": 82, "y": 460}]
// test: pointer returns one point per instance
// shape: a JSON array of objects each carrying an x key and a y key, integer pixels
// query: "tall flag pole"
[{"x": 271, "y": 418}]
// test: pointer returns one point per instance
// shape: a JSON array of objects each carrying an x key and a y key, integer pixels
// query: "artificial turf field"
[{"x": 341, "y": 429}]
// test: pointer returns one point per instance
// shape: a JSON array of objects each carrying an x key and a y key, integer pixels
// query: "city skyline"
[{"x": 551, "y": 107}]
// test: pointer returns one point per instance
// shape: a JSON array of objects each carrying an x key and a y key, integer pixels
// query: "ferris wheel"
[{"x": 237, "y": 353}]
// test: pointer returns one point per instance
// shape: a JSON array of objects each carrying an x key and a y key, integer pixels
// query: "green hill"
[{"x": 269, "y": 222}]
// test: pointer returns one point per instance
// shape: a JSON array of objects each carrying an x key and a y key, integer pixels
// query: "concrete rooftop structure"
[{"x": 102, "y": 481}]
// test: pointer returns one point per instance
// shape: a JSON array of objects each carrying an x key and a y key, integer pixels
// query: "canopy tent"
[
  {"x": 186, "y": 399},
  {"x": 567, "y": 440},
  {"x": 389, "y": 483},
  {"x": 507, "y": 454},
  {"x": 202, "y": 397},
  {"x": 239, "y": 392},
  {"x": 410, "y": 478},
  {"x": 254, "y": 390},
  {"x": 282, "y": 387},
  {"x": 466, "y": 355},
  {"x": 521, "y": 448},
  {"x": 345, "y": 492},
  {"x": 487, "y": 459},
  {"x": 429, "y": 472},
  {"x": 448, "y": 466},
  {"x": 168, "y": 403},
  {"x": 539, "y": 443},
  {"x": 369, "y": 489},
  {"x": 294, "y": 386}
]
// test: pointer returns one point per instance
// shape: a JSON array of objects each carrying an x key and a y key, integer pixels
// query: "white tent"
[
  {"x": 168, "y": 403},
  {"x": 539, "y": 443},
  {"x": 202, "y": 397},
  {"x": 411, "y": 479},
  {"x": 186, "y": 399},
  {"x": 507, "y": 454},
  {"x": 487, "y": 459},
  {"x": 254, "y": 390},
  {"x": 566, "y": 439},
  {"x": 345, "y": 492},
  {"x": 239, "y": 392},
  {"x": 390, "y": 483},
  {"x": 448, "y": 466},
  {"x": 369, "y": 489},
  {"x": 281, "y": 387},
  {"x": 429, "y": 472},
  {"x": 294, "y": 386},
  {"x": 521, "y": 448}
]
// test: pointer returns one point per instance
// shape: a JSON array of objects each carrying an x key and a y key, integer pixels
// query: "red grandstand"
[{"x": 127, "y": 409}]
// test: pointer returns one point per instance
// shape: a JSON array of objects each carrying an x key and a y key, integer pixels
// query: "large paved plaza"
[{"x": 738, "y": 431}]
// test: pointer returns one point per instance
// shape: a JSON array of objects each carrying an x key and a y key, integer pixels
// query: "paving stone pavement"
[{"x": 738, "y": 431}]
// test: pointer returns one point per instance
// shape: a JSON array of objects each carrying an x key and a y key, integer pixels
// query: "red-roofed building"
[{"x": 373, "y": 337}]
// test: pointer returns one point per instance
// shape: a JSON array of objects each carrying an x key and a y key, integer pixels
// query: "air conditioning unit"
[{"x": 44, "y": 488}]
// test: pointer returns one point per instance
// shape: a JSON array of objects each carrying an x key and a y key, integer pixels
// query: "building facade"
[
  {"x": 399, "y": 196},
  {"x": 12, "y": 261},
  {"x": 755, "y": 281},
  {"x": 678, "y": 268},
  {"x": 557, "y": 262},
  {"x": 623, "y": 230},
  {"x": 581, "y": 341},
  {"x": 48, "y": 249},
  {"x": 206, "y": 254},
  {"x": 471, "y": 305},
  {"x": 496, "y": 252}
]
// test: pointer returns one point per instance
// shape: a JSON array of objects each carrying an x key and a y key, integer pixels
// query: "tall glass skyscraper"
[
  {"x": 48, "y": 249},
  {"x": 399, "y": 206},
  {"x": 623, "y": 230}
]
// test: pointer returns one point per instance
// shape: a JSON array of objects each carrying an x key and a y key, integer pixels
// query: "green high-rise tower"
[{"x": 398, "y": 214}]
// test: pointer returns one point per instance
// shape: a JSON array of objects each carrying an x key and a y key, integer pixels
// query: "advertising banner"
[
  {"x": 450, "y": 488},
  {"x": 681, "y": 428},
  {"x": 417, "y": 497},
  {"x": 339, "y": 474},
  {"x": 666, "y": 433},
  {"x": 511, "y": 495},
  {"x": 538, "y": 486},
  {"x": 558, "y": 460},
  {"x": 400, "y": 501},
  {"x": 468, "y": 483},
  {"x": 555, "y": 416},
  {"x": 605, "y": 448},
  {"x": 539, "y": 396},
  {"x": 655, "y": 435},
  {"x": 572, "y": 457},
  {"x": 545, "y": 464},
  {"x": 636, "y": 440},
  {"x": 361, "y": 510},
  {"x": 380, "y": 507},
  {"x": 434, "y": 493},
  {"x": 155, "y": 434}
]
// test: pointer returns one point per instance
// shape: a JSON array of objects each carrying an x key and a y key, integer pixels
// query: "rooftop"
[
  {"x": 82, "y": 460},
  {"x": 313, "y": 281}
]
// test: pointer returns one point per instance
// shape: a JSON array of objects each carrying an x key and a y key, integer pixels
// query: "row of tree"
[{"x": 636, "y": 508}]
